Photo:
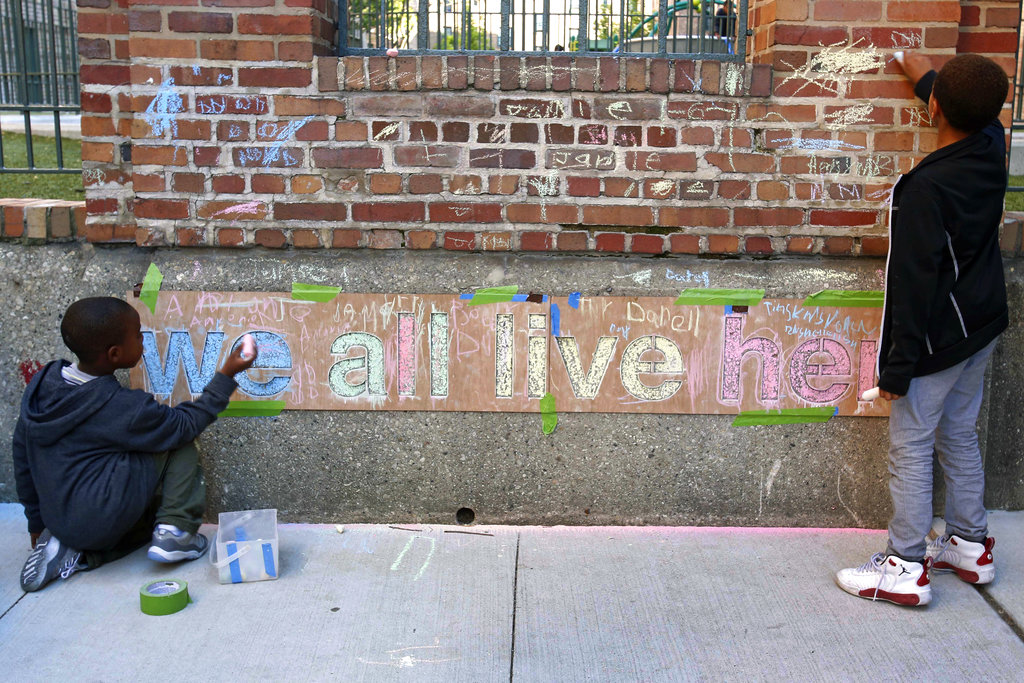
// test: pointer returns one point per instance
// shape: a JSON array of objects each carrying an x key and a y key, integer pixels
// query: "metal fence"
[
  {"x": 38, "y": 74},
  {"x": 694, "y": 28}
]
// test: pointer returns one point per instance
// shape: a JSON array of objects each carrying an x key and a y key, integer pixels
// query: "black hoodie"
[
  {"x": 945, "y": 298},
  {"x": 83, "y": 453}
]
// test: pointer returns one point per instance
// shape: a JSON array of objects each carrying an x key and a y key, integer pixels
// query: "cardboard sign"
[{"x": 443, "y": 352}]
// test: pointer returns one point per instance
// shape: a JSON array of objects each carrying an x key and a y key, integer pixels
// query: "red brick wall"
[{"x": 224, "y": 123}]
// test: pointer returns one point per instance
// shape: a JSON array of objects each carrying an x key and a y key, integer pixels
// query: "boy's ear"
[
  {"x": 934, "y": 110},
  {"x": 114, "y": 354}
]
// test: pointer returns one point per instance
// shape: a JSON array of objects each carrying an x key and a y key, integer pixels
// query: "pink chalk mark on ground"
[{"x": 28, "y": 369}]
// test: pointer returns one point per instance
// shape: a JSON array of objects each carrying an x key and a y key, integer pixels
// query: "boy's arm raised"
[
  {"x": 915, "y": 66},
  {"x": 155, "y": 427}
]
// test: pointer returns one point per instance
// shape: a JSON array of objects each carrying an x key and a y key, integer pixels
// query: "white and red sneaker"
[
  {"x": 887, "y": 577},
  {"x": 972, "y": 562}
]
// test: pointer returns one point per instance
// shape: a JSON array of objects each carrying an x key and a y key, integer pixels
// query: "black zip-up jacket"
[
  {"x": 945, "y": 298},
  {"x": 83, "y": 454}
]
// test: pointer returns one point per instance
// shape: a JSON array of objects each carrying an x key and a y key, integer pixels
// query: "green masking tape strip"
[
  {"x": 846, "y": 298},
  {"x": 151, "y": 287},
  {"x": 549, "y": 418},
  {"x": 720, "y": 297},
  {"x": 252, "y": 409},
  {"x": 319, "y": 293},
  {"x": 165, "y": 596},
  {"x": 788, "y": 416},
  {"x": 493, "y": 295}
]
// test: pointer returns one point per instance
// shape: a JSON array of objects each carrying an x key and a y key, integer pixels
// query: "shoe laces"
[
  {"x": 875, "y": 565},
  {"x": 70, "y": 566},
  {"x": 939, "y": 545}
]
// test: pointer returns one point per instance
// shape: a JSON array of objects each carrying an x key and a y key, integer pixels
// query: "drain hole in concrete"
[{"x": 465, "y": 515}]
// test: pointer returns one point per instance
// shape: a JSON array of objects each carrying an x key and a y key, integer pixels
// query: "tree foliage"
[
  {"x": 479, "y": 39},
  {"x": 364, "y": 18}
]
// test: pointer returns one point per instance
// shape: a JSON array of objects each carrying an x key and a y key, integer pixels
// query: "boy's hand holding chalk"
[
  {"x": 241, "y": 358},
  {"x": 870, "y": 394},
  {"x": 875, "y": 393}
]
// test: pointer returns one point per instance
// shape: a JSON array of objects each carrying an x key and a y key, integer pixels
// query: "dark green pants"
[{"x": 180, "y": 499}]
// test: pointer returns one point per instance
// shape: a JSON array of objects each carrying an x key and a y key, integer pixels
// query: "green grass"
[
  {"x": 1015, "y": 200},
  {"x": 41, "y": 185}
]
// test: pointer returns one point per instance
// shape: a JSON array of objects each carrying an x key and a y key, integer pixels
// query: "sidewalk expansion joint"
[
  {"x": 13, "y": 605},
  {"x": 1002, "y": 612},
  {"x": 515, "y": 592}
]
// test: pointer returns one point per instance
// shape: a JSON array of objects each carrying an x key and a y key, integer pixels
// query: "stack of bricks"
[{"x": 228, "y": 125}]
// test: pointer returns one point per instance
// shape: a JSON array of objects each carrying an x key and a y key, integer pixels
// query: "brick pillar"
[
  {"x": 143, "y": 71},
  {"x": 103, "y": 27}
]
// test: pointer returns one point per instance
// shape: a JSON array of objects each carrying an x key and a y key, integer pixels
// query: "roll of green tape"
[{"x": 165, "y": 596}]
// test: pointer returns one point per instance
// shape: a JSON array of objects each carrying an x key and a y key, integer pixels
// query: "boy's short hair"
[
  {"x": 91, "y": 326},
  {"x": 970, "y": 90}
]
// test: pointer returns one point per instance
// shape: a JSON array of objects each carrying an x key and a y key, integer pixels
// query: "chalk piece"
[
  {"x": 898, "y": 56},
  {"x": 248, "y": 347},
  {"x": 870, "y": 395},
  {"x": 392, "y": 52},
  {"x": 339, "y": 528}
]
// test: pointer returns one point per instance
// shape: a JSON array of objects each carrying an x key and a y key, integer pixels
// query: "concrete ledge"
[{"x": 423, "y": 466}]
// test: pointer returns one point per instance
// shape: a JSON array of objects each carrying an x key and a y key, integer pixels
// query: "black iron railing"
[
  {"x": 38, "y": 76},
  {"x": 700, "y": 29}
]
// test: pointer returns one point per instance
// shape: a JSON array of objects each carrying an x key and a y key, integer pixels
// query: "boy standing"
[
  {"x": 945, "y": 306},
  {"x": 96, "y": 465}
]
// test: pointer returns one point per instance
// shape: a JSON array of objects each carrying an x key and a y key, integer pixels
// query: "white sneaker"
[
  {"x": 972, "y": 562},
  {"x": 887, "y": 577}
]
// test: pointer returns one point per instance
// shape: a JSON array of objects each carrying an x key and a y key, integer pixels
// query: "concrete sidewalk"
[{"x": 452, "y": 604}]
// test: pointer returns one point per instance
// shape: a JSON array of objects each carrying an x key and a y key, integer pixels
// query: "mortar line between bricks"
[
  {"x": 13, "y": 605},
  {"x": 515, "y": 593},
  {"x": 1002, "y": 612}
]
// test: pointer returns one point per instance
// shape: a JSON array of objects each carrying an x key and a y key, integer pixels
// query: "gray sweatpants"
[{"x": 938, "y": 414}]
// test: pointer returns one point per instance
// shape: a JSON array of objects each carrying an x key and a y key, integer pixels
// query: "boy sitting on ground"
[{"x": 97, "y": 465}]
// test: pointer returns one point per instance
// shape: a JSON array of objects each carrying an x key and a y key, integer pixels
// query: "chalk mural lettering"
[{"x": 436, "y": 352}]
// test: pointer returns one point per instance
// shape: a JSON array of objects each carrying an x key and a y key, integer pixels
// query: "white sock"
[{"x": 170, "y": 527}]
